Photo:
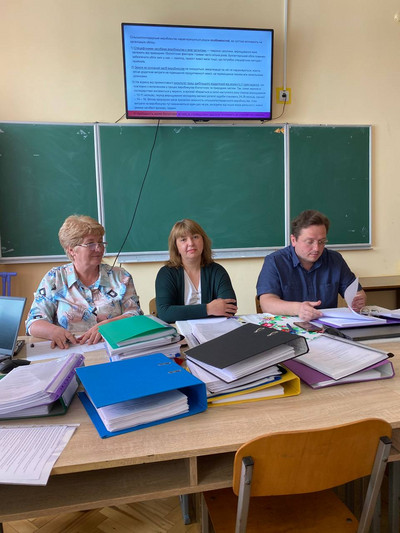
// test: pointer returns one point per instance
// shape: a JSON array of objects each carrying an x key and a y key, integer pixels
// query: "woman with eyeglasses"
[{"x": 73, "y": 300}]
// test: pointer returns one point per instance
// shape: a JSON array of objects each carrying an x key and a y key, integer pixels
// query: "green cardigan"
[{"x": 170, "y": 292}]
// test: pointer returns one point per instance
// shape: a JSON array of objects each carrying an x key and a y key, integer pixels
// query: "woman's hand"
[
  {"x": 92, "y": 336},
  {"x": 62, "y": 338},
  {"x": 222, "y": 307}
]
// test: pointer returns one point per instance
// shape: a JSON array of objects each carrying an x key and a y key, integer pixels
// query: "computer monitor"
[{"x": 11, "y": 310}]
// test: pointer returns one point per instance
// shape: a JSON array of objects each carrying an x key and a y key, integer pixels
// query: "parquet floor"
[{"x": 156, "y": 516}]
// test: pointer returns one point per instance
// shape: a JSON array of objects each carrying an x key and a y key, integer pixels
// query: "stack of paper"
[
  {"x": 139, "y": 335},
  {"x": 145, "y": 410},
  {"x": 206, "y": 329},
  {"x": 241, "y": 365},
  {"x": 139, "y": 392},
  {"x": 346, "y": 317},
  {"x": 39, "y": 389}
]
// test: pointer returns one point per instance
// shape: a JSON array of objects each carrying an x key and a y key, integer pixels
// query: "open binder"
[
  {"x": 318, "y": 380},
  {"x": 288, "y": 384},
  {"x": 140, "y": 377},
  {"x": 43, "y": 389}
]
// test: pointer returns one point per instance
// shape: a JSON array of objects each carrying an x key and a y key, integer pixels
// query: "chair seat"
[{"x": 317, "y": 512}]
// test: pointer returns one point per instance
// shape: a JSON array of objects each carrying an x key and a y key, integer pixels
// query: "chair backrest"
[
  {"x": 6, "y": 282},
  {"x": 153, "y": 307},
  {"x": 297, "y": 462},
  {"x": 258, "y": 306}
]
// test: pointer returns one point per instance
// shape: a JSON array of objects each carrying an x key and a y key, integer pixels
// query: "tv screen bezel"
[{"x": 197, "y": 116}]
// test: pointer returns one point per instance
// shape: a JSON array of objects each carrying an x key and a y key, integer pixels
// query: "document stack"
[
  {"x": 139, "y": 392},
  {"x": 242, "y": 365},
  {"x": 139, "y": 335},
  {"x": 42, "y": 389}
]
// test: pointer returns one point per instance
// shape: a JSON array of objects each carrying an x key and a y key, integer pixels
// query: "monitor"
[
  {"x": 197, "y": 72},
  {"x": 11, "y": 309}
]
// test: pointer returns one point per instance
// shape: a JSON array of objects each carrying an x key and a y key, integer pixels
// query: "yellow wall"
[{"x": 61, "y": 61}]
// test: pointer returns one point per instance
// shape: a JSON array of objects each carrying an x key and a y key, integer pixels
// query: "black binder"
[{"x": 242, "y": 344}]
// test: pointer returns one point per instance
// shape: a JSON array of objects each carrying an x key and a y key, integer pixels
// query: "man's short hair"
[{"x": 308, "y": 218}]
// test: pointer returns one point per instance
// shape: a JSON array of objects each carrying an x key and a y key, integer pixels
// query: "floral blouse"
[{"x": 62, "y": 299}]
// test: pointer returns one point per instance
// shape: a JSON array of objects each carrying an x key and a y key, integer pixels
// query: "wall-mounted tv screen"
[{"x": 197, "y": 73}]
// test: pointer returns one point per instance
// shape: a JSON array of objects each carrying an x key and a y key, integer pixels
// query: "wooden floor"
[{"x": 156, "y": 516}]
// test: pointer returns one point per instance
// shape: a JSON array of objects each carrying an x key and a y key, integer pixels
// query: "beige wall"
[{"x": 61, "y": 61}]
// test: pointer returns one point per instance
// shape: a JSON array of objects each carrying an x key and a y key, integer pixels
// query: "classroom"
[{"x": 63, "y": 63}]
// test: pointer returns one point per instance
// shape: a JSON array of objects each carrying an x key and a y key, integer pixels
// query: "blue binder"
[{"x": 110, "y": 383}]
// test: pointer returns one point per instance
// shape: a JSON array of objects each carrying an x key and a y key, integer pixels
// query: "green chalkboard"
[
  {"x": 47, "y": 172},
  {"x": 229, "y": 179},
  {"x": 238, "y": 182},
  {"x": 330, "y": 171}
]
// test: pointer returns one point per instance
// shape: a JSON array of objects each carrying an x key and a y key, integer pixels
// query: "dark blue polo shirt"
[{"x": 283, "y": 275}]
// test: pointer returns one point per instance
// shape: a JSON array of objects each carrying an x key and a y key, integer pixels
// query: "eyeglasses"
[
  {"x": 319, "y": 242},
  {"x": 93, "y": 245}
]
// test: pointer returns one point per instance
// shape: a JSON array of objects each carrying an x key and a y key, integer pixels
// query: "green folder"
[{"x": 134, "y": 329}]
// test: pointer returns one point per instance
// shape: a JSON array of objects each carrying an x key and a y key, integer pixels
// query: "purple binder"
[{"x": 317, "y": 380}]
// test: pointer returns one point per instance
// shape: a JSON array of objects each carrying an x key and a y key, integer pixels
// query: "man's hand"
[
  {"x": 359, "y": 301},
  {"x": 308, "y": 312}
]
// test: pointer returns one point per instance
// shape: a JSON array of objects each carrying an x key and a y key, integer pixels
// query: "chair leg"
[
  {"x": 394, "y": 495},
  {"x": 184, "y": 501},
  {"x": 246, "y": 476},
  {"x": 375, "y": 483},
  {"x": 376, "y": 519},
  {"x": 205, "y": 521}
]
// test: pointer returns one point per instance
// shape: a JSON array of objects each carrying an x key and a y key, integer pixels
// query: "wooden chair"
[
  {"x": 153, "y": 307},
  {"x": 258, "y": 306},
  {"x": 288, "y": 476},
  {"x": 6, "y": 282}
]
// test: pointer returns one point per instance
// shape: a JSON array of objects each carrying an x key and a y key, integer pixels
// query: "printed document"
[{"x": 28, "y": 453}]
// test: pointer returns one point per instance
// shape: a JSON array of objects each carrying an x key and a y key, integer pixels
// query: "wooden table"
[{"x": 187, "y": 455}]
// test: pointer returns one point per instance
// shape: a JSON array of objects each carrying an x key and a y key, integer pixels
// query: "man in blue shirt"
[{"x": 305, "y": 276}]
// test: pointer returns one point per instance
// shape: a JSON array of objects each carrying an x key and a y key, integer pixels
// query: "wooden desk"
[
  {"x": 382, "y": 283},
  {"x": 187, "y": 455}
]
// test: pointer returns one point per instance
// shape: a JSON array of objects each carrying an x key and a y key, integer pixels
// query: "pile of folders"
[
  {"x": 139, "y": 335},
  {"x": 244, "y": 364}
]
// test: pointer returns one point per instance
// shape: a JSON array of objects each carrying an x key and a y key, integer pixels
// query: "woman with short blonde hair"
[{"x": 73, "y": 300}]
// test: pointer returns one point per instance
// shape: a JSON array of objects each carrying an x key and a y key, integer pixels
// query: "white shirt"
[{"x": 192, "y": 295}]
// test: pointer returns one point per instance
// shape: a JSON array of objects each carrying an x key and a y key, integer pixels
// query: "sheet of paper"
[
  {"x": 208, "y": 329},
  {"x": 350, "y": 293},
  {"x": 37, "y": 351},
  {"x": 28, "y": 453}
]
